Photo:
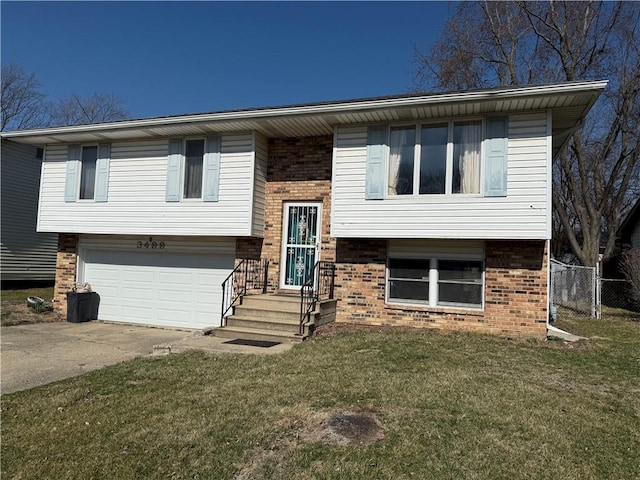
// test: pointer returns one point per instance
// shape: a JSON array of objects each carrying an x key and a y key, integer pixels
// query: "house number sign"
[{"x": 150, "y": 244}]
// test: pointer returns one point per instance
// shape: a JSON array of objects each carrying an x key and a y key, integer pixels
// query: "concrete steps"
[{"x": 272, "y": 318}]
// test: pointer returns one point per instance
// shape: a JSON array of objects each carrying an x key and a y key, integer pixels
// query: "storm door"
[{"x": 301, "y": 234}]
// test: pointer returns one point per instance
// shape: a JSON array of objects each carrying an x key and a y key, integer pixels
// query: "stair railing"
[
  {"x": 249, "y": 275},
  {"x": 318, "y": 285}
]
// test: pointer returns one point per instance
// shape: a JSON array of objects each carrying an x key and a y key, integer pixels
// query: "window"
[
  {"x": 433, "y": 158},
  {"x": 88, "y": 173},
  {"x": 87, "y": 176},
  {"x": 194, "y": 159},
  {"x": 449, "y": 158},
  {"x": 467, "y": 137},
  {"x": 193, "y": 169},
  {"x": 401, "y": 150},
  {"x": 459, "y": 283},
  {"x": 435, "y": 282},
  {"x": 409, "y": 279}
]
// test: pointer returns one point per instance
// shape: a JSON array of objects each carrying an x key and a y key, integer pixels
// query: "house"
[
  {"x": 629, "y": 231},
  {"x": 423, "y": 210},
  {"x": 27, "y": 257}
]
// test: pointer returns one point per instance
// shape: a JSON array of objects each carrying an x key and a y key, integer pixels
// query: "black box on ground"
[{"x": 82, "y": 307}]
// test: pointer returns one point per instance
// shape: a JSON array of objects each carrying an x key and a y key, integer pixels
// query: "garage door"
[{"x": 172, "y": 290}]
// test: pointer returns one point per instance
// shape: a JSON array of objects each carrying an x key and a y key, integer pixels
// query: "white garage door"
[{"x": 152, "y": 288}]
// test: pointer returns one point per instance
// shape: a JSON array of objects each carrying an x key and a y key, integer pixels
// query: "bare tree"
[
  {"x": 22, "y": 101},
  {"x": 76, "y": 110},
  {"x": 517, "y": 43}
]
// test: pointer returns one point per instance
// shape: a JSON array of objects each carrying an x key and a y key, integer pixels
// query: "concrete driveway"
[{"x": 38, "y": 354}]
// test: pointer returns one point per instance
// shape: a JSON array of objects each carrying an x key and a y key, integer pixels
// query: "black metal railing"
[
  {"x": 318, "y": 285},
  {"x": 249, "y": 275}
]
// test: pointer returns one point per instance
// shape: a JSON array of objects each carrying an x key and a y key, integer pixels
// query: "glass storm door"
[{"x": 301, "y": 242}]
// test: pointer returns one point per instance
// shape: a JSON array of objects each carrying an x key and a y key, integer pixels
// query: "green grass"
[
  {"x": 20, "y": 296},
  {"x": 452, "y": 405}
]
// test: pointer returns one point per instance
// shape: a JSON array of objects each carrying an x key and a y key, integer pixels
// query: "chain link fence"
[
  {"x": 579, "y": 291},
  {"x": 574, "y": 288},
  {"x": 615, "y": 293}
]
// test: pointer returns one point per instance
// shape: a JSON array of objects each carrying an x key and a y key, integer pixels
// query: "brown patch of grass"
[{"x": 16, "y": 312}]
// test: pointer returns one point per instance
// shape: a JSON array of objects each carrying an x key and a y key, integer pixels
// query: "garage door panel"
[
  {"x": 168, "y": 315},
  {"x": 137, "y": 312},
  {"x": 108, "y": 274},
  {"x": 130, "y": 292},
  {"x": 107, "y": 311},
  {"x": 174, "y": 278},
  {"x": 136, "y": 277},
  {"x": 208, "y": 318},
  {"x": 174, "y": 290}
]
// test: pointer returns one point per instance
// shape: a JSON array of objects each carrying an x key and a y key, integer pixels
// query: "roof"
[{"x": 568, "y": 102}]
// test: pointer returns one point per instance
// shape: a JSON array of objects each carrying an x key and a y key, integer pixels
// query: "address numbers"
[{"x": 150, "y": 244}]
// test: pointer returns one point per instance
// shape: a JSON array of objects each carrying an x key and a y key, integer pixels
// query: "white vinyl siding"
[
  {"x": 26, "y": 255},
  {"x": 137, "y": 194},
  {"x": 522, "y": 214},
  {"x": 259, "y": 185}
]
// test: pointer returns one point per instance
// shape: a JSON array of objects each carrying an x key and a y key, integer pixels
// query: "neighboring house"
[
  {"x": 629, "y": 231},
  {"x": 434, "y": 209},
  {"x": 27, "y": 257}
]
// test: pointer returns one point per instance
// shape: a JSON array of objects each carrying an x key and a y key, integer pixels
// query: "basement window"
[{"x": 435, "y": 282}]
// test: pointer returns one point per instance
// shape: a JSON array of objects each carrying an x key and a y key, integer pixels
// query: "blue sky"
[{"x": 168, "y": 58}]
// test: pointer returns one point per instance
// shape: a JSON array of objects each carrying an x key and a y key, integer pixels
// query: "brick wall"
[
  {"x": 298, "y": 170},
  {"x": 515, "y": 290},
  {"x": 66, "y": 264},
  {"x": 248, "y": 247}
]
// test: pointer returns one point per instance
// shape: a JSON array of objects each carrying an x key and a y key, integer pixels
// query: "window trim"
[
  {"x": 434, "y": 282},
  {"x": 450, "y": 122}
]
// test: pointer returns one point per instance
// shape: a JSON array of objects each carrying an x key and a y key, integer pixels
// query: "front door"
[{"x": 301, "y": 234}]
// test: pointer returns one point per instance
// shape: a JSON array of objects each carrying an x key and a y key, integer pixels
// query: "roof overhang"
[{"x": 568, "y": 102}]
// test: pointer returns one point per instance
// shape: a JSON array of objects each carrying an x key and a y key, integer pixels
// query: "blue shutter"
[
  {"x": 495, "y": 164},
  {"x": 211, "y": 170},
  {"x": 174, "y": 168},
  {"x": 374, "y": 189},
  {"x": 102, "y": 173},
  {"x": 73, "y": 171}
]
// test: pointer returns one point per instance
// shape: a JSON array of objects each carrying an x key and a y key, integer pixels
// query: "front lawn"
[{"x": 450, "y": 405}]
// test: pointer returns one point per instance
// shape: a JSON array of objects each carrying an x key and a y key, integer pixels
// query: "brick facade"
[
  {"x": 66, "y": 265},
  {"x": 298, "y": 170},
  {"x": 515, "y": 290}
]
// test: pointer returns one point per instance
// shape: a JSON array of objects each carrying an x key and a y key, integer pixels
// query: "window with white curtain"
[
  {"x": 402, "y": 142},
  {"x": 88, "y": 172},
  {"x": 467, "y": 137},
  {"x": 448, "y": 158},
  {"x": 194, "y": 159}
]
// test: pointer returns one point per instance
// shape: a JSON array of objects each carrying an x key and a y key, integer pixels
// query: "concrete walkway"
[{"x": 38, "y": 354}]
